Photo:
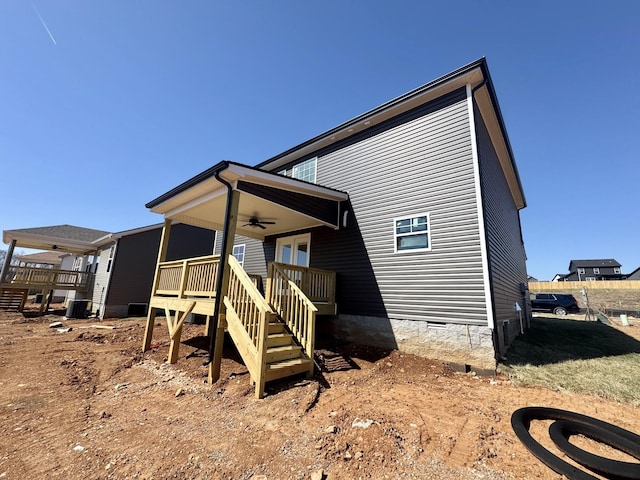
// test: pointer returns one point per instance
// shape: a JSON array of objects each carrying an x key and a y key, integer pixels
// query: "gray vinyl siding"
[
  {"x": 419, "y": 163},
  {"x": 254, "y": 257},
  {"x": 101, "y": 280},
  {"x": 505, "y": 248}
]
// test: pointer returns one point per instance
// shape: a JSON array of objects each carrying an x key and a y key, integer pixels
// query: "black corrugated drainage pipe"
[{"x": 213, "y": 325}]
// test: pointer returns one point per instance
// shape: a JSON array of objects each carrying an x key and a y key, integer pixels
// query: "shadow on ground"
[{"x": 552, "y": 340}]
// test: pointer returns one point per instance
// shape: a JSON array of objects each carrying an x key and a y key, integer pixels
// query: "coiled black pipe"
[{"x": 569, "y": 423}]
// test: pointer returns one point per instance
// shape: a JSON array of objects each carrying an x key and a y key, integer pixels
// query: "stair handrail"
[
  {"x": 293, "y": 306},
  {"x": 248, "y": 316}
]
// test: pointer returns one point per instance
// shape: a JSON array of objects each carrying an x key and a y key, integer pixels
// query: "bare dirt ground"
[{"x": 88, "y": 404}]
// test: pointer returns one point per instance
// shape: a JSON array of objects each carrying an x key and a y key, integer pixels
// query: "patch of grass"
[{"x": 576, "y": 356}]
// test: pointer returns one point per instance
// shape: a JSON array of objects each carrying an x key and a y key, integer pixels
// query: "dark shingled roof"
[
  {"x": 66, "y": 232},
  {"x": 602, "y": 262}
]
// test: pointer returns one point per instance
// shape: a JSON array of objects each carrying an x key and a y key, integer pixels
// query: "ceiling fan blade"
[
  {"x": 260, "y": 225},
  {"x": 268, "y": 223}
]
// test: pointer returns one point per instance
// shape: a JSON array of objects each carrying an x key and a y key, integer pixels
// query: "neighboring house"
[
  {"x": 127, "y": 261},
  {"x": 41, "y": 260},
  {"x": 635, "y": 275},
  {"x": 592, "y": 270},
  {"x": 415, "y": 206},
  {"x": 531, "y": 279},
  {"x": 109, "y": 270},
  {"x": 558, "y": 277}
]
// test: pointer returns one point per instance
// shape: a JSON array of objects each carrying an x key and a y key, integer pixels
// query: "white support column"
[{"x": 7, "y": 260}]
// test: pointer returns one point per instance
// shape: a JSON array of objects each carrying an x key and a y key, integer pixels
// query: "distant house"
[
  {"x": 40, "y": 260},
  {"x": 592, "y": 270},
  {"x": 635, "y": 275},
  {"x": 111, "y": 271},
  {"x": 558, "y": 277},
  {"x": 127, "y": 261}
]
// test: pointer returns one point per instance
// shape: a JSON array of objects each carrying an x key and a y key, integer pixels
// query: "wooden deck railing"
[
  {"x": 33, "y": 277},
  {"x": 293, "y": 306},
  {"x": 248, "y": 317},
  {"x": 318, "y": 285},
  {"x": 191, "y": 277}
]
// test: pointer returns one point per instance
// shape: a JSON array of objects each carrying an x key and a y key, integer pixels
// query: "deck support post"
[
  {"x": 7, "y": 260},
  {"x": 220, "y": 323},
  {"x": 162, "y": 256}
]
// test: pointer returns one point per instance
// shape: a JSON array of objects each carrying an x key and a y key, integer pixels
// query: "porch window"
[
  {"x": 238, "y": 252},
  {"x": 303, "y": 171},
  {"x": 412, "y": 233}
]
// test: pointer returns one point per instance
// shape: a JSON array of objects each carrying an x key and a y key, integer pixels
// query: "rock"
[
  {"x": 55, "y": 325},
  {"x": 357, "y": 423},
  {"x": 78, "y": 448},
  {"x": 64, "y": 330},
  {"x": 347, "y": 455},
  {"x": 179, "y": 392},
  {"x": 331, "y": 429},
  {"x": 317, "y": 475}
]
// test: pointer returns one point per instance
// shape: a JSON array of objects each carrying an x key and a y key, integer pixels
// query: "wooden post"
[
  {"x": 227, "y": 249},
  {"x": 7, "y": 261},
  {"x": 162, "y": 255}
]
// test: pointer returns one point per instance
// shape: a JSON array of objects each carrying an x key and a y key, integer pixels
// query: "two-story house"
[
  {"x": 592, "y": 270},
  {"x": 414, "y": 208}
]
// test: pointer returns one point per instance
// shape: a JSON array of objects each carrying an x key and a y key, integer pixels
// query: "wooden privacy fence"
[{"x": 593, "y": 285}]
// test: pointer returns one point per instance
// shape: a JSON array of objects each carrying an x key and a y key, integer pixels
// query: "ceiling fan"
[{"x": 255, "y": 222}]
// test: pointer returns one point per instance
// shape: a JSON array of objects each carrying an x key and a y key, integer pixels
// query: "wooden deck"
[
  {"x": 46, "y": 279},
  {"x": 194, "y": 279},
  {"x": 274, "y": 332}
]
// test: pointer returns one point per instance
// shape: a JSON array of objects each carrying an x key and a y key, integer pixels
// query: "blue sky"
[{"x": 107, "y": 104}]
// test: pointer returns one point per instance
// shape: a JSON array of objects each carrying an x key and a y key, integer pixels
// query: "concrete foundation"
[{"x": 469, "y": 347}]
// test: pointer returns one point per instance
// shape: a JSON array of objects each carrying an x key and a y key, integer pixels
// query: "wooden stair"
[
  {"x": 13, "y": 299},
  {"x": 284, "y": 356}
]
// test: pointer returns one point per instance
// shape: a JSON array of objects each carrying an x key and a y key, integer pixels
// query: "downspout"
[{"x": 213, "y": 325}]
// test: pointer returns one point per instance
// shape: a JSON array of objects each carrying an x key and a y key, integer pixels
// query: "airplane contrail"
[{"x": 44, "y": 24}]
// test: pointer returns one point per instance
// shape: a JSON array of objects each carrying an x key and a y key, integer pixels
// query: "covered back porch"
[
  {"x": 16, "y": 281},
  {"x": 272, "y": 326}
]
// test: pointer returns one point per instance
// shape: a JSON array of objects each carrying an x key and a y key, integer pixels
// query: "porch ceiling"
[{"x": 292, "y": 204}]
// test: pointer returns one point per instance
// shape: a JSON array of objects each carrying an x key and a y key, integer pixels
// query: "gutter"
[{"x": 213, "y": 325}]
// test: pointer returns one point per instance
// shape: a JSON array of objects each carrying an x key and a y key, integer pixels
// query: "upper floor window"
[
  {"x": 581, "y": 271},
  {"x": 616, "y": 270},
  {"x": 238, "y": 252},
  {"x": 412, "y": 233},
  {"x": 303, "y": 171},
  {"x": 596, "y": 270}
]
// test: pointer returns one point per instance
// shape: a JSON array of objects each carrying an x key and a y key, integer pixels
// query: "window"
[
  {"x": 303, "y": 171},
  {"x": 412, "y": 233},
  {"x": 111, "y": 250},
  {"x": 581, "y": 271},
  {"x": 616, "y": 270},
  {"x": 596, "y": 271},
  {"x": 590, "y": 279},
  {"x": 238, "y": 252}
]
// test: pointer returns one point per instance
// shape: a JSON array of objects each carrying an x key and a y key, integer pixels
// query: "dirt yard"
[{"x": 88, "y": 404}]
